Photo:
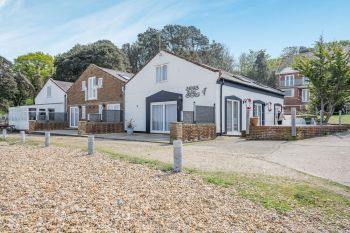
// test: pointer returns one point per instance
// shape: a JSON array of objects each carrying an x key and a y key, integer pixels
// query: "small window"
[
  {"x": 305, "y": 95},
  {"x": 289, "y": 92},
  {"x": 161, "y": 73},
  {"x": 289, "y": 80},
  {"x": 83, "y": 85},
  {"x": 48, "y": 91},
  {"x": 83, "y": 112},
  {"x": 100, "y": 82}
]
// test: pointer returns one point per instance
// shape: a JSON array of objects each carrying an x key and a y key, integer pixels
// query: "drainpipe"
[{"x": 221, "y": 84}]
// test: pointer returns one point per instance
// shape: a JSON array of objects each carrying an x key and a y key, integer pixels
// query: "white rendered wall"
[
  {"x": 57, "y": 94},
  {"x": 181, "y": 74}
]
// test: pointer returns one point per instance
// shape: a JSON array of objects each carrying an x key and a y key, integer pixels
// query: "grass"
[
  {"x": 335, "y": 119},
  {"x": 278, "y": 193}
]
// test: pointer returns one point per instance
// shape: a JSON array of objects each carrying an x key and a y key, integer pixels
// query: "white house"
[
  {"x": 50, "y": 104},
  {"x": 171, "y": 88}
]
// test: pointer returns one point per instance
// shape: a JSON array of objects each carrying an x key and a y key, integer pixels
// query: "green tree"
[
  {"x": 8, "y": 86},
  {"x": 36, "y": 67},
  {"x": 70, "y": 65},
  {"x": 329, "y": 74},
  {"x": 186, "y": 41}
]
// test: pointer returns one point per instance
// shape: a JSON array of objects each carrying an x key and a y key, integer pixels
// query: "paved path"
[{"x": 327, "y": 157}]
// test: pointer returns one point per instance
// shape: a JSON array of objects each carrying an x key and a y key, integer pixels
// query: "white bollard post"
[
  {"x": 293, "y": 121},
  {"x": 4, "y": 134},
  {"x": 91, "y": 139},
  {"x": 178, "y": 150},
  {"x": 47, "y": 138},
  {"x": 23, "y": 136},
  {"x": 339, "y": 117}
]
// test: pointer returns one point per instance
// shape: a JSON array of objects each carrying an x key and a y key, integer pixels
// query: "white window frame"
[
  {"x": 292, "y": 92},
  {"x": 83, "y": 85},
  {"x": 306, "y": 81},
  {"x": 257, "y": 106},
  {"x": 235, "y": 132},
  {"x": 100, "y": 82},
  {"x": 163, "y": 104},
  {"x": 302, "y": 95},
  {"x": 113, "y": 106},
  {"x": 92, "y": 88},
  {"x": 160, "y": 69},
  {"x": 289, "y": 80},
  {"x": 48, "y": 92},
  {"x": 100, "y": 110},
  {"x": 83, "y": 112}
]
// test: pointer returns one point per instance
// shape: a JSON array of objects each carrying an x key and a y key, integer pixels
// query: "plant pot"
[
  {"x": 129, "y": 131},
  {"x": 254, "y": 121}
]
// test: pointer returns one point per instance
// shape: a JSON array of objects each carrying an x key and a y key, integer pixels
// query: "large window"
[
  {"x": 305, "y": 97},
  {"x": 289, "y": 80},
  {"x": 161, "y": 73},
  {"x": 92, "y": 88},
  {"x": 162, "y": 114},
  {"x": 289, "y": 92}
]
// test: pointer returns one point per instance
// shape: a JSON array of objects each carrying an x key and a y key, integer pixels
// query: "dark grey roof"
[
  {"x": 124, "y": 76},
  {"x": 63, "y": 85},
  {"x": 240, "y": 79}
]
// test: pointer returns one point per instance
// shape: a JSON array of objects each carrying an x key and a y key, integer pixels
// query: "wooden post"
[
  {"x": 23, "y": 136},
  {"x": 247, "y": 121},
  {"x": 4, "y": 134},
  {"x": 91, "y": 140},
  {"x": 293, "y": 122},
  {"x": 178, "y": 150},
  {"x": 47, "y": 138},
  {"x": 339, "y": 117}
]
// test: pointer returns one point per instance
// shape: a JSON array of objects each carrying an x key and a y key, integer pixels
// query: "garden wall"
[
  {"x": 192, "y": 132},
  {"x": 285, "y": 132},
  {"x": 46, "y": 125},
  {"x": 85, "y": 127}
]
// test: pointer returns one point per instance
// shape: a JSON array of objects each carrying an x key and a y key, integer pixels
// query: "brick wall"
[
  {"x": 110, "y": 93},
  {"x": 86, "y": 127},
  {"x": 285, "y": 132},
  {"x": 43, "y": 125},
  {"x": 192, "y": 132}
]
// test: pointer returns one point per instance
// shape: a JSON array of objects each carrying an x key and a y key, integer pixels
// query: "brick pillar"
[{"x": 175, "y": 131}]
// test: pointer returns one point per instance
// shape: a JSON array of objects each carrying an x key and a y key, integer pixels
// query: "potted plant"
[
  {"x": 130, "y": 127},
  {"x": 254, "y": 120}
]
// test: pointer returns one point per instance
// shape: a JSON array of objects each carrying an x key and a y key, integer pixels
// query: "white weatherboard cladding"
[
  {"x": 181, "y": 74},
  {"x": 243, "y": 94},
  {"x": 57, "y": 94}
]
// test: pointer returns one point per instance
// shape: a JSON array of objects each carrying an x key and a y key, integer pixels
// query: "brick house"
[
  {"x": 294, "y": 85},
  {"x": 96, "y": 90}
]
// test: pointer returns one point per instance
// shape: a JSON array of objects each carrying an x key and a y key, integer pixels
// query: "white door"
[
  {"x": 162, "y": 114},
  {"x": 74, "y": 117},
  {"x": 233, "y": 117}
]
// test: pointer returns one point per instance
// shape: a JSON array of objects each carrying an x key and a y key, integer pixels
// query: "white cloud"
[
  {"x": 119, "y": 23},
  {"x": 2, "y": 3}
]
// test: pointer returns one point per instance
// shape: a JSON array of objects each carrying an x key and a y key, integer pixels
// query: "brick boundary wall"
[
  {"x": 46, "y": 125},
  {"x": 192, "y": 132},
  {"x": 285, "y": 132},
  {"x": 85, "y": 127}
]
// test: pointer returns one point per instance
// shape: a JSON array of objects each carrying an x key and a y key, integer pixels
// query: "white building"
[
  {"x": 50, "y": 104},
  {"x": 170, "y": 88}
]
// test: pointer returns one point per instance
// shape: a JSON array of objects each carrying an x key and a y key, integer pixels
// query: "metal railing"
[
  {"x": 51, "y": 116},
  {"x": 116, "y": 116},
  {"x": 297, "y": 82}
]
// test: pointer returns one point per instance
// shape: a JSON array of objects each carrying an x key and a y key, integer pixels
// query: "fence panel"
[
  {"x": 112, "y": 116},
  {"x": 188, "y": 117},
  {"x": 205, "y": 114}
]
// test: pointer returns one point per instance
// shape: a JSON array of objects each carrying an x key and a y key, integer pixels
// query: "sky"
[{"x": 54, "y": 26}]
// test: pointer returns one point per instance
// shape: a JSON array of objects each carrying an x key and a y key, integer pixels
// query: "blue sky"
[{"x": 54, "y": 26}]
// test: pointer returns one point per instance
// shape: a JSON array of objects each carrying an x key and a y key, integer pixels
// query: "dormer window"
[
  {"x": 48, "y": 91},
  {"x": 161, "y": 73},
  {"x": 92, "y": 88}
]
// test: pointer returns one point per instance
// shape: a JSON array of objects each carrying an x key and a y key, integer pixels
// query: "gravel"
[{"x": 60, "y": 190}]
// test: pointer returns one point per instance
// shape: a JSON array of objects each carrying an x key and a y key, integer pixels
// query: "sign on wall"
[{"x": 194, "y": 92}]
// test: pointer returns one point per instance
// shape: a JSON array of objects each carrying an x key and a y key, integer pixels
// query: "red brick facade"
[
  {"x": 296, "y": 99},
  {"x": 111, "y": 92},
  {"x": 99, "y": 127},
  {"x": 192, "y": 132}
]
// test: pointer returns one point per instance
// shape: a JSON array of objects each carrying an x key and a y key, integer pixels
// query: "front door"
[
  {"x": 278, "y": 109},
  {"x": 162, "y": 114},
  {"x": 259, "y": 112},
  {"x": 74, "y": 117},
  {"x": 232, "y": 117}
]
